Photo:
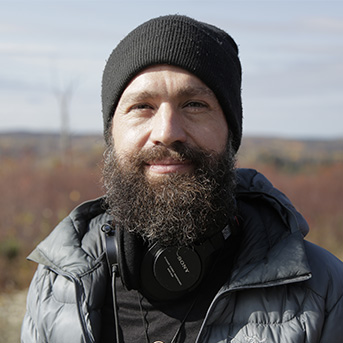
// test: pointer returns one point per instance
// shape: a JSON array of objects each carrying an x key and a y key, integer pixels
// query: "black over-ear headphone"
[{"x": 168, "y": 272}]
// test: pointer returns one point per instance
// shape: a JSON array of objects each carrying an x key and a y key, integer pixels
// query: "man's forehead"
[{"x": 147, "y": 83}]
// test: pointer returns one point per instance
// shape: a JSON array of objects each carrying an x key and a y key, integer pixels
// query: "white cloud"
[
  {"x": 325, "y": 24},
  {"x": 291, "y": 53}
]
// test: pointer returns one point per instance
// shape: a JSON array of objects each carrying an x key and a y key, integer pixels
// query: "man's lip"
[
  {"x": 167, "y": 166},
  {"x": 167, "y": 161}
]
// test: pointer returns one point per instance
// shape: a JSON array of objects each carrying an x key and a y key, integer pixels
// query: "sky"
[{"x": 291, "y": 52}]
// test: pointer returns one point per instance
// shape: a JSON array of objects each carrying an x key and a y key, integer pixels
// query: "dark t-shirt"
[{"x": 144, "y": 320}]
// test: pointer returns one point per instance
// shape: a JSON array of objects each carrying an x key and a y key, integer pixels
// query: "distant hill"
[
  {"x": 281, "y": 150},
  {"x": 253, "y": 149},
  {"x": 46, "y": 144}
]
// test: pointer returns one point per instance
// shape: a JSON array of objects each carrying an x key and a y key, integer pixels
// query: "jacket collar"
[
  {"x": 272, "y": 249},
  {"x": 74, "y": 247}
]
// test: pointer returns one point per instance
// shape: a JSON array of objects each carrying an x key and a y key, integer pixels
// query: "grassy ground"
[{"x": 12, "y": 310}]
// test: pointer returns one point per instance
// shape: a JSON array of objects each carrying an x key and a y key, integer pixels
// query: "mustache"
[{"x": 177, "y": 151}]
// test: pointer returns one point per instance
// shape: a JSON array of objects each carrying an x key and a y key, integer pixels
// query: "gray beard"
[{"x": 175, "y": 209}]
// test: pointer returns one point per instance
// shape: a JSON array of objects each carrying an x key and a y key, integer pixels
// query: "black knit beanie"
[{"x": 202, "y": 49}]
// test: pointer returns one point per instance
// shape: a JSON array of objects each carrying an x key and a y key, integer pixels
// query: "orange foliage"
[
  {"x": 318, "y": 195},
  {"x": 34, "y": 198},
  {"x": 38, "y": 190}
]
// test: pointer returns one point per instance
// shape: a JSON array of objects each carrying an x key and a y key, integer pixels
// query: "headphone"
[{"x": 168, "y": 273}]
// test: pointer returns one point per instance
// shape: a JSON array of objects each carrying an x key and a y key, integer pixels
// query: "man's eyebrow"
[
  {"x": 194, "y": 91},
  {"x": 139, "y": 96},
  {"x": 182, "y": 92}
]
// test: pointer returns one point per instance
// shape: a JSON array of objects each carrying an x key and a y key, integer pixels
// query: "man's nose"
[{"x": 167, "y": 126}]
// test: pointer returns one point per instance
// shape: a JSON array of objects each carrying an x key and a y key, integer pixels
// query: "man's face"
[
  {"x": 169, "y": 168},
  {"x": 165, "y": 105}
]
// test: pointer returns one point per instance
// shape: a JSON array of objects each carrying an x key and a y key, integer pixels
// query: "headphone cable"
[{"x": 114, "y": 297}]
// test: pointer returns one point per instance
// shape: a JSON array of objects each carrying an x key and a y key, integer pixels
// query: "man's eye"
[
  {"x": 195, "y": 104},
  {"x": 141, "y": 107}
]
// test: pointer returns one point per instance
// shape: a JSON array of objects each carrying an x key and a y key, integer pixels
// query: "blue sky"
[{"x": 291, "y": 52}]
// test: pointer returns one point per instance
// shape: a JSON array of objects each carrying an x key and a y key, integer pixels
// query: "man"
[{"x": 204, "y": 252}]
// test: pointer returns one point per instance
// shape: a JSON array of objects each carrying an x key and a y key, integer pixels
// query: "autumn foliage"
[{"x": 40, "y": 184}]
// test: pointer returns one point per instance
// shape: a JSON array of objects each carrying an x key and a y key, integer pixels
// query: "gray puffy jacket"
[{"x": 282, "y": 288}]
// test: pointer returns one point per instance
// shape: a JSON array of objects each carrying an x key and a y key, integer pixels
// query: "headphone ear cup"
[{"x": 171, "y": 272}]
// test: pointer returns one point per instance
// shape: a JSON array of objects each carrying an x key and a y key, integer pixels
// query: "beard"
[{"x": 173, "y": 209}]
